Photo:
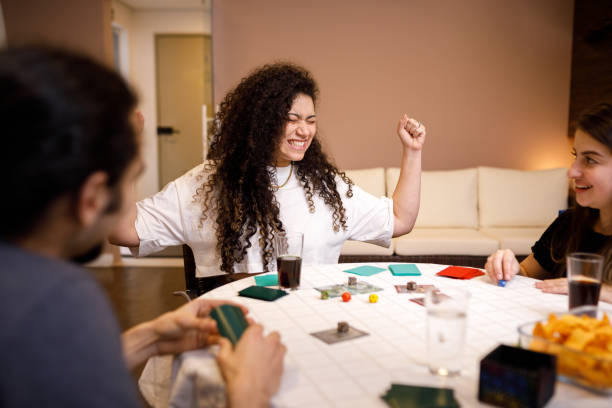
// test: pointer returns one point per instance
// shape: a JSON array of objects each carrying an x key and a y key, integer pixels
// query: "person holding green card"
[{"x": 70, "y": 159}]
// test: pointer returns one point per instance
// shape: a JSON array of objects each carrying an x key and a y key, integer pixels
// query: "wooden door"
[{"x": 184, "y": 86}]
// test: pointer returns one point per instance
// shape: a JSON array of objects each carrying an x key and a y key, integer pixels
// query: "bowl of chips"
[{"x": 582, "y": 341}]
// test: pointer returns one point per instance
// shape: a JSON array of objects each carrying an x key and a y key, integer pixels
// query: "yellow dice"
[{"x": 373, "y": 298}]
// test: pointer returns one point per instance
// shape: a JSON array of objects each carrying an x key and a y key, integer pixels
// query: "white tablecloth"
[{"x": 356, "y": 373}]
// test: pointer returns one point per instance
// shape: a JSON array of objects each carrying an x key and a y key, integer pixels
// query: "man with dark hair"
[{"x": 70, "y": 156}]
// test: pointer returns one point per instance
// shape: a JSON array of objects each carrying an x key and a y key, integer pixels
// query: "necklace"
[{"x": 286, "y": 181}]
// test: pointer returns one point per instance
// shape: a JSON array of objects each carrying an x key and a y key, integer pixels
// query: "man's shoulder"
[
  {"x": 21, "y": 269},
  {"x": 36, "y": 288},
  {"x": 61, "y": 339}
]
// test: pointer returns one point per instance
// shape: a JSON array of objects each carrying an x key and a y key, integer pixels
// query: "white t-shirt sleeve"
[
  {"x": 159, "y": 221},
  {"x": 370, "y": 219}
]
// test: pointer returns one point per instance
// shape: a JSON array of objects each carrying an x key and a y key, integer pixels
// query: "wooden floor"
[
  {"x": 138, "y": 294},
  {"x": 141, "y": 293}
]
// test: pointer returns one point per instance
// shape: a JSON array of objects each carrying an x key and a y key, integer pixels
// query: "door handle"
[{"x": 167, "y": 131}]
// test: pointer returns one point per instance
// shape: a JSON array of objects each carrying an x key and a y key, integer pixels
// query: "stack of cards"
[
  {"x": 460, "y": 272},
  {"x": 262, "y": 293},
  {"x": 411, "y": 396}
]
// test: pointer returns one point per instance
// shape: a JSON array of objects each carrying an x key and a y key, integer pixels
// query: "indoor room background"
[{"x": 493, "y": 80}]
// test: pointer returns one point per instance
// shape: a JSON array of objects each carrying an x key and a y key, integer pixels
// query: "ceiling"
[{"x": 167, "y": 4}]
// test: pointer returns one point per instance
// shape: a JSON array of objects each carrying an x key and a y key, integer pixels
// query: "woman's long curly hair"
[
  {"x": 245, "y": 137},
  {"x": 597, "y": 123}
]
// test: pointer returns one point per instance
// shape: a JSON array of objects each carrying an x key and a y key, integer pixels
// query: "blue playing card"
[
  {"x": 365, "y": 270},
  {"x": 404, "y": 270},
  {"x": 266, "y": 280}
]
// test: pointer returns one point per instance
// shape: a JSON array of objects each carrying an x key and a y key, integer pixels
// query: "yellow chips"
[{"x": 583, "y": 346}]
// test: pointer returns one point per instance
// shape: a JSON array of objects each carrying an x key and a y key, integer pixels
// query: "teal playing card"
[
  {"x": 365, "y": 270},
  {"x": 266, "y": 280},
  {"x": 230, "y": 322},
  {"x": 404, "y": 270}
]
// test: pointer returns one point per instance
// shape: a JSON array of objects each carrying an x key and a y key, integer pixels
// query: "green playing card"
[
  {"x": 404, "y": 270},
  {"x": 266, "y": 280},
  {"x": 230, "y": 322},
  {"x": 263, "y": 293},
  {"x": 365, "y": 270},
  {"x": 409, "y": 396}
]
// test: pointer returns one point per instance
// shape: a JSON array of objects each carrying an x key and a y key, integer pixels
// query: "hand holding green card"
[{"x": 230, "y": 322}]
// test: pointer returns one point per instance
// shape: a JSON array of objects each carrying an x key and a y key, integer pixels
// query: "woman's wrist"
[
  {"x": 606, "y": 293},
  {"x": 410, "y": 152}
]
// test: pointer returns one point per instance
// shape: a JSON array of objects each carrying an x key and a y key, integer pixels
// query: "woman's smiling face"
[
  {"x": 299, "y": 131},
  {"x": 591, "y": 172}
]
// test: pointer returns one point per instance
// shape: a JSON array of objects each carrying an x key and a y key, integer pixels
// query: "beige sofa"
[{"x": 466, "y": 214}]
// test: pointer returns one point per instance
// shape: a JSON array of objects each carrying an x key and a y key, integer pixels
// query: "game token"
[
  {"x": 373, "y": 298},
  {"x": 343, "y": 327},
  {"x": 411, "y": 285},
  {"x": 324, "y": 294},
  {"x": 352, "y": 281},
  {"x": 346, "y": 296},
  {"x": 501, "y": 283}
]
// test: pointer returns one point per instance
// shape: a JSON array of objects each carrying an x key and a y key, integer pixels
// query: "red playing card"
[{"x": 460, "y": 272}]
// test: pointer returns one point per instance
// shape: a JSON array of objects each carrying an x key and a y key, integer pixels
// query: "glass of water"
[{"x": 446, "y": 329}]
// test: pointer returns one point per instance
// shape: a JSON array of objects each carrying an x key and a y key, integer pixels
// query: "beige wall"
[
  {"x": 83, "y": 25},
  {"x": 141, "y": 27},
  {"x": 489, "y": 78}
]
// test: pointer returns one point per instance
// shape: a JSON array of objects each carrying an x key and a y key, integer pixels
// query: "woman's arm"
[
  {"x": 606, "y": 293},
  {"x": 502, "y": 264},
  {"x": 407, "y": 194},
  {"x": 531, "y": 268},
  {"x": 125, "y": 233}
]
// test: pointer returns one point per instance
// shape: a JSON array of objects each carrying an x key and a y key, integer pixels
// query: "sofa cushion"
[
  {"x": 520, "y": 198},
  {"x": 448, "y": 198},
  {"x": 445, "y": 241},
  {"x": 364, "y": 248},
  {"x": 519, "y": 240},
  {"x": 371, "y": 180}
]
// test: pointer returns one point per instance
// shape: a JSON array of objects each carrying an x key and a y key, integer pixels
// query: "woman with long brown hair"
[
  {"x": 267, "y": 173},
  {"x": 587, "y": 226}
]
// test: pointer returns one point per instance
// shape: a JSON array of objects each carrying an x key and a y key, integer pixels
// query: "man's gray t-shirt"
[{"x": 60, "y": 343}]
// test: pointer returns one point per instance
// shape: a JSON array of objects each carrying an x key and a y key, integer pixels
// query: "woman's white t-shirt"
[{"x": 174, "y": 217}]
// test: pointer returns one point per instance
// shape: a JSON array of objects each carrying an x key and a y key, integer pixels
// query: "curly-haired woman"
[{"x": 267, "y": 173}]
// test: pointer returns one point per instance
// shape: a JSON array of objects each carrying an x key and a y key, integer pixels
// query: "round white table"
[{"x": 356, "y": 373}]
